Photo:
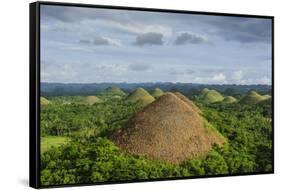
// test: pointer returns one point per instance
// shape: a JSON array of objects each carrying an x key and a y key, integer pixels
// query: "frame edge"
[{"x": 33, "y": 98}]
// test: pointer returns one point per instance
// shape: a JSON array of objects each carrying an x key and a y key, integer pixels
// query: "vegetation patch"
[
  {"x": 90, "y": 154},
  {"x": 49, "y": 142}
]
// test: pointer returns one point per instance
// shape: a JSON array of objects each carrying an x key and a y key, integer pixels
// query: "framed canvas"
[{"x": 126, "y": 94}]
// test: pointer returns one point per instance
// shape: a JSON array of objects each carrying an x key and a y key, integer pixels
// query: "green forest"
[{"x": 77, "y": 145}]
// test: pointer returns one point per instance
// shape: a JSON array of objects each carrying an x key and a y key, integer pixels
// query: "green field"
[{"x": 50, "y": 142}]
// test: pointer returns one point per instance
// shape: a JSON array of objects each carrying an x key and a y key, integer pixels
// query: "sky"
[{"x": 90, "y": 45}]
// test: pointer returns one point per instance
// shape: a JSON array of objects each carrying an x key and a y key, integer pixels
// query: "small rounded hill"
[
  {"x": 92, "y": 100},
  {"x": 211, "y": 96},
  {"x": 44, "y": 101},
  {"x": 157, "y": 92},
  {"x": 114, "y": 91},
  {"x": 267, "y": 101},
  {"x": 229, "y": 100},
  {"x": 140, "y": 95},
  {"x": 168, "y": 129},
  {"x": 252, "y": 98}
]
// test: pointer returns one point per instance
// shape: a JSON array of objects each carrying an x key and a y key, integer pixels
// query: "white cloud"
[
  {"x": 139, "y": 28},
  {"x": 264, "y": 80},
  {"x": 220, "y": 77},
  {"x": 215, "y": 79},
  {"x": 109, "y": 69},
  {"x": 237, "y": 76}
]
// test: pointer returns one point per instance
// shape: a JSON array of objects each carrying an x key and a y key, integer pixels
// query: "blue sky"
[{"x": 88, "y": 45}]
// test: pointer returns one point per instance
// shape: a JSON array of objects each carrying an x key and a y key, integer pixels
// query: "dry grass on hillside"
[
  {"x": 188, "y": 101},
  {"x": 168, "y": 129}
]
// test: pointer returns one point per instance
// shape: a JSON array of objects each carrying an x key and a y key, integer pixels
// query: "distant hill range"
[{"x": 188, "y": 89}]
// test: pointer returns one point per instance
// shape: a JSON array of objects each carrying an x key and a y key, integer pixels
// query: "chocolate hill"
[
  {"x": 204, "y": 91},
  {"x": 266, "y": 101},
  {"x": 157, "y": 92},
  {"x": 168, "y": 129},
  {"x": 188, "y": 101},
  {"x": 44, "y": 101},
  {"x": 211, "y": 96},
  {"x": 140, "y": 95},
  {"x": 92, "y": 100},
  {"x": 229, "y": 100},
  {"x": 252, "y": 98},
  {"x": 114, "y": 90}
]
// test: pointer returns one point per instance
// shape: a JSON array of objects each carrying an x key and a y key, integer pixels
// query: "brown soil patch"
[{"x": 168, "y": 129}]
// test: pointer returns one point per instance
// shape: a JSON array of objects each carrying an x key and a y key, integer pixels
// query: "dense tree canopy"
[{"x": 90, "y": 156}]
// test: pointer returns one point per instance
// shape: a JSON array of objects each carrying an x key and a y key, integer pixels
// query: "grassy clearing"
[{"x": 52, "y": 141}]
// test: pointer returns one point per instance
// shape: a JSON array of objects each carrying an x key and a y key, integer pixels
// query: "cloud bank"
[{"x": 105, "y": 45}]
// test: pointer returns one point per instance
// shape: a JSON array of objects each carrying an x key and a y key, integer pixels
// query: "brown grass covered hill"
[
  {"x": 188, "y": 101},
  {"x": 168, "y": 129},
  {"x": 140, "y": 95}
]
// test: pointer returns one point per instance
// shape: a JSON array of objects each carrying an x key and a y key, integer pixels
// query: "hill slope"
[
  {"x": 114, "y": 91},
  {"x": 140, "y": 95},
  {"x": 252, "y": 98},
  {"x": 92, "y": 100},
  {"x": 229, "y": 100},
  {"x": 157, "y": 92},
  {"x": 267, "y": 101},
  {"x": 167, "y": 129},
  {"x": 44, "y": 101},
  {"x": 204, "y": 91},
  {"x": 188, "y": 101},
  {"x": 211, "y": 96}
]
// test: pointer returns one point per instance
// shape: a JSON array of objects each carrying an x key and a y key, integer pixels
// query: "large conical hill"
[{"x": 167, "y": 129}]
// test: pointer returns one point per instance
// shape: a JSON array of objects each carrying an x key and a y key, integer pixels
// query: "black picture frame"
[{"x": 34, "y": 89}]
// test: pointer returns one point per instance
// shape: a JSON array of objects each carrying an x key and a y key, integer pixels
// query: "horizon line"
[{"x": 149, "y": 82}]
